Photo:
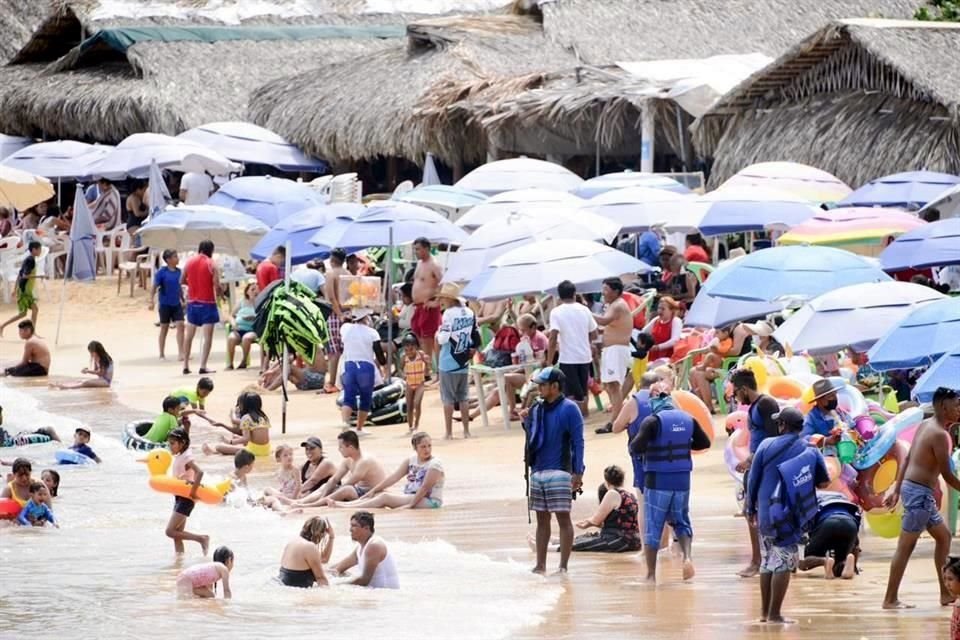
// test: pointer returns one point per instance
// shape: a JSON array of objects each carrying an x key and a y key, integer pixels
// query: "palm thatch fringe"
[{"x": 18, "y": 20}]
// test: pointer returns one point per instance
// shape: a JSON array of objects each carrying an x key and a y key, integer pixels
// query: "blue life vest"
[
  {"x": 793, "y": 505},
  {"x": 642, "y": 398},
  {"x": 670, "y": 450}
]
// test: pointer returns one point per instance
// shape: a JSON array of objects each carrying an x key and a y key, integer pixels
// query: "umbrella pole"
[
  {"x": 285, "y": 366},
  {"x": 389, "y": 307},
  {"x": 63, "y": 292}
]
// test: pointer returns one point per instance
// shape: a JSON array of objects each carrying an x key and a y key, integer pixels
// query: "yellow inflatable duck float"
[{"x": 158, "y": 463}]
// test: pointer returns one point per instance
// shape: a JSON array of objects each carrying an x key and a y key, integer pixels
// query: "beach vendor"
[{"x": 825, "y": 417}]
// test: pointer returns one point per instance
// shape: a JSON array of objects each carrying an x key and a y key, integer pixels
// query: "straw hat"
[
  {"x": 450, "y": 290},
  {"x": 762, "y": 328}
]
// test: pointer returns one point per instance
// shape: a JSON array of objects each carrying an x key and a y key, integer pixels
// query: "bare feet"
[
  {"x": 828, "y": 564},
  {"x": 448, "y": 436},
  {"x": 751, "y": 571},
  {"x": 758, "y": 622},
  {"x": 849, "y": 567},
  {"x": 542, "y": 571},
  {"x": 562, "y": 571},
  {"x": 207, "y": 449},
  {"x": 205, "y": 544},
  {"x": 896, "y": 604},
  {"x": 688, "y": 569}
]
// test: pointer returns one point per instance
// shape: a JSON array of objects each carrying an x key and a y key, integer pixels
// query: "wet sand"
[{"x": 485, "y": 512}]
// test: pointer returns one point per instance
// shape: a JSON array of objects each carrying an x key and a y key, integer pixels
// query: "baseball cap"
[
  {"x": 549, "y": 374},
  {"x": 85, "y": 429},
  {"x": 312, "y": 442},
  {"x": 789, "y": 417}
]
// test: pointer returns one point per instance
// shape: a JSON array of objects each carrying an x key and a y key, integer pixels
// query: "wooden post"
[{"x": 647, "y": 128}]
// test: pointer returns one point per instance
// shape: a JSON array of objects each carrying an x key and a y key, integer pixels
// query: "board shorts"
[
  {"x": 25, "y": 301},
  {"x": 170, "y": 313},
  {"x": 27, "y": 370},
  {"x": 312, "y": 380},
  {"x": 919, "y": 507},
  {"x": 357, "y": 381},
  {"x": 576, "y": 378},
  {"x": 183, "y": 506},
  {"x": 776, "y": 558},
  {"x": 259, "y": 450},
  {"x": 615, "y": 362},
  {"x": 425, "y": 321},
  {"x": 551, "y": 491},
  {"x": 335, "y": 345},
  {"x": 202, "y": 313},
  {"x": 660, "y": 507},
  {"x": 454, "y": 387}
]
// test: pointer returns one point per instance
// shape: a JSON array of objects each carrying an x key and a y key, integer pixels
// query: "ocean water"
[{"x": 109, "y": 571}]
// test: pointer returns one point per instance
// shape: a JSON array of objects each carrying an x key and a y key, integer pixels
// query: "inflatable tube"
[
  {"x": 872, "y": 452},
  {"x": 686, "y": 401},
  {"x": 159, "y": 460},
  {"x": 736, "y": 420},
  {"x": 872, "y": 483},
  {"x": 384, "y": 395},
  {"x": 22, "y": 440},
  {"x": 132, "y": 437},
  {"x": 838, "y": 482},
  {"x": 9, "y": 508},
  {"x": 784, "y": 388},
  {"x": 759, "y": 368},
  {"x": 736, "y": 451},
  {"x": 66, "y": 456},
  {"x": 885, "y": 525}
]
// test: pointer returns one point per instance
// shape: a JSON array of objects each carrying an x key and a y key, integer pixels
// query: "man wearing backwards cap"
[
  {"x": 554, "y": 452},
  {"x": 825, "y": 416}
]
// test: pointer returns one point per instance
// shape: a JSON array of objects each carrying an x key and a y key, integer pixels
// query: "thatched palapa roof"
[
  {"x": 858, "y": 98},
  {"x": 18, "y": 20}
]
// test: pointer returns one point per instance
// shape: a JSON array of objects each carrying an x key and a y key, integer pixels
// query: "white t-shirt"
[
  {"x": 574, "y": 322},
  {"x": 358, "y": 342},
  {"x": 198, "y": 186}
]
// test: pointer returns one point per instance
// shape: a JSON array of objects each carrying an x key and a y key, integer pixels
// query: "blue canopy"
[
  {"x": 945, "y": 372},
  {"x": 932, "y": 245},
  {"x": 910, "y": 190},
  {"x": 373, "y": 228},
  {"x": 266, "y": 198},
  {"x": 297, "y": 229},
  {"x": 920, "y": 338},
  {"x": 713, "y": 312}
]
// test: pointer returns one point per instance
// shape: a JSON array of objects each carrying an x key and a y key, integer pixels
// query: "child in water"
[
  {"x": 951, "y": 579},
  {"x": 184, "y": 468},
  {"x": 81, "y": 438},
  {"x": 288, "y": 477},
  {"x": 36, "y": 513},
  {"x": 253, "y": 434},
  {"x": 51, "y": 478},
  {"x": 201, "y": 580},
  {"x": 167, "y": 421},
  {"x": 416, "y": 369},
  {"x": 102, "y": 365}
]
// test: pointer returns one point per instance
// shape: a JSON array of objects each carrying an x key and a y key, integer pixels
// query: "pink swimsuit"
[{"x": 200, "y": 575}]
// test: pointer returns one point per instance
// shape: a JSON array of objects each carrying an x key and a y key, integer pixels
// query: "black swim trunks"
[
  {"x": 27, "y": 370},
  {"x": 183, "y": 506},
  {"x": 300, "y": 578}
]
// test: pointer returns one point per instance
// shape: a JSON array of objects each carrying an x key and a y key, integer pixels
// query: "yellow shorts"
[
  {"x": 637, "y": 370},
  {"x": 259, "y": 450}
]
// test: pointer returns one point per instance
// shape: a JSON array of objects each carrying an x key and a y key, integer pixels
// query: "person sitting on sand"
[
  {"x": 834, "y": 541},
  {"x": 304, "y": 378},
  {"x": 35, "y": 362},
  {"x": 377, "y": 568},
  {"x": 102, "y": 365},
  {"x": 424, "y": 488},
  {"x": 200, "y": 580},
  {"x": 354, "y": 479},
  {"x": 242, "y": 334},
  {"x": 288, "y": 479},
  {"x": 253, "y": 434},
  {"x": 303, "y": 558},
  {"x": 316, "y": 470}
]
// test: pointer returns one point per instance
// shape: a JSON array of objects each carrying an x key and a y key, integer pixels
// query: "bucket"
[{"x": 846, "y": 451}]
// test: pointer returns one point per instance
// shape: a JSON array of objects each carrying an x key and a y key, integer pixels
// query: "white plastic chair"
[{"x": 10, "y": 261}]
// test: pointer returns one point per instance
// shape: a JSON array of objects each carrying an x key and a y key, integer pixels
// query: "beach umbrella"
[
  {"x": 62, "y": 160},
  {"x": 158, "y": 195},
  {"x": 266, "y": 198},
  {"x": 388, "y": 223},
  {"x": 945, "y": 205},
  {"x": 81, "y": 254},
  {"x": 296, "y": 230},
  {"x": 246, "y": 142},
  {"x": 517, "y": 229},
  {"x": 627, "y": 179},
  {"x": 509, "y": 201},
  {"x": 450, "y": 201},
  {"x": 799, "y": 180},
  {"x": 12, "y": 144},
  {"x": 519, "y": 173},
  {"x": 935, "y": 244},
  {"x": 922, "y": 336},
  {"x": 634, "y": 208},
  {"x": 541, "y": 266},
  {"x": 736, "y": 210},
  {"x": 945, "y": 372},
  {"x": 855, "y": 316},
  {"x": 21, "y": 190},
  {"x": 910, "y": 190},
  {"x": 791, "y": 272},
  {"x": 184, "y": 227},
  {"x": 851, "y": 225},
  {"x": 132, "y": 157},
  {"x": 710, "y": 311},
  {"x": 430, "y": 176}
]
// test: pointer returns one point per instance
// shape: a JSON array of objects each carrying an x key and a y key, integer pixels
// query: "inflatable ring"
[
  {"x": 132, "y": 437},
  {"x": 885, "y": 525},
  {"x": 158, "y": 462},
  {"x": 759, "y": 369},
  {"x": 736, "y": 451},
  {"x": 784, "y": 388},
  {"x": 837, "y": 481},
  {"x": 689, "y": 402},
  {"x": 872, "y": 483},
  {"x": 22, "y": 440},
  {"x": 872, "y": 452},
  {"x": 9, "y": 508},
  {"x": 66, "y": 456},
  {"x": 736, "y": 420},
  {"x": 384, "y": 395}
]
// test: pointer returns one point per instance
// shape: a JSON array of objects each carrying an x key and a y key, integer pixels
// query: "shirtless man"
[
  {"x": 355, "y": 476},
  {"x": 36, "y": 355},
  {"x": 426, "y": 284},
  {"x": 616, "y": 356},
  {"x": 490, "y": 312},
  {"x": 929, "y": 458},
  {"x": 377, "y": 568},
  {"x": 331, "y": 290}
]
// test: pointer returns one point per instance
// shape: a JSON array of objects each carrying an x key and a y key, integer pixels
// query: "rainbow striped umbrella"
[
  {"x": 851, "y": 225},
  {"x": 800, "y": 180}
]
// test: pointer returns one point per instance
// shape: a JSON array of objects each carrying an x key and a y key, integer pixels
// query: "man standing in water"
[
  {"x": 665, "y": 440},
  {"x": 377, "y": 568},
  {"x": 554, "y": 454},
  {"x": 426, "y": 284},
  {"x": 331, "y": 289},
  {"x": 917, "y": 479},
  {"x": 202, "y": 278},
  {"x": 630, "y": 418},
  {"x": 616, "y": 357}
]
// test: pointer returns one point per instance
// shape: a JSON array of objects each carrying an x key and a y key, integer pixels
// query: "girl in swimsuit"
[
  {"x": 253, "y": 434},
  {"x": 18, "y": 489},
  {"x": 303, "y": 558},
  {"x": 289, "y": 478},
  {"x": 102, "y": 368},
  {"x": 201, "y": 580}
]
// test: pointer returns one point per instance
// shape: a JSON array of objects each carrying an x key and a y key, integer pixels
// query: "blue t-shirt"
[
  {"x": 559, "y": 437},
  {"x": 764, "y": 478},
  {"x": 819, "y": 423},
  {"x": 648, "y": 248},
  {"x": 167, "y": 281},
  {"x": 760, "y": 421},
  {"x": 33, "y": 513},
  {"x": 83, "y": 449},
  {"x": 456, "y": 338}
]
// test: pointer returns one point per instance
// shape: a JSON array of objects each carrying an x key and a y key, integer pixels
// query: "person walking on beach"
[
  {"x": 665, "y": 440},
  {"x": 616, "y": 357},
  {"x": 166, "y": 282},
  {"x": 554, "y": 455},
  {"x": 202, "y": 278},
  {"x": 928, "y": 459},
  {"x": 331, "y": 289},
  {"x": 458, "y": 341},
  {"x": 26, "y": 280},
  {"x": 36, "y": 355},
  {"x": 426, "y": 284},
  {"x": 572, "y": 330}
]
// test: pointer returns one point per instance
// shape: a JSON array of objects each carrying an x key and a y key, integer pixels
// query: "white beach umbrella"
[
  {"x": 803, "y": 181},
  {"x": 248, "y": 143},
  {"x": 132, "y": 157},
  {"x": 519, "y": 173},
  {"x": 510, "y": 201},
  {"x": 184, "y": 227},
  {"x": 21, "y": 190},
  {"x": 63, "y": 159},
  {"x": 635, "y": 208},
  {"x": 735, "y": 210},
  {"x": 11, "y": 144},
  {"x": 626, "y": 179}
]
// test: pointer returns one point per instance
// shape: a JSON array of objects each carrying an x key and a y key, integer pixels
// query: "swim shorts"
[
  {"x": 776, "y": 558},
  {"x": 615, "y": 362},
  {"x": 25, "y": 302},
  {"x": 202, "y": 313},
  {"x": 661, "y": 506},
  {"x": 919, "y": 507},
  {"x": 551, "y": 491},
  {"x": 259, "y": 450},
  {"x": 361, "y": 491},
  {"x": 576, "y": 378},
  {"x": 170, "y": 313},
  {"x": 425, "y": 321},
  {"x": 454, "y": 387},
  {"x": 335, "y": 345},
  {"x": 27, "y": 370},
  {"x": 183, "y": 506}
]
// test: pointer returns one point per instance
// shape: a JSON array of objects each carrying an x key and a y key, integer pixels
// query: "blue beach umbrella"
[
  {"x": 921, "y": 337},
  {"x": 626, "y": 179},
  {"x": 298, "y": 228},
  {"x": 713, "y": 312},
  {"x": 63, "y": 159},
  {"x": 266, "y": 198},
  {"x": 910, "y": 190},
  {"x": 945, "y": 372},
  {"x": 791, "y": 272},
  {"x": 932, "y": 245},
  {"x": 246, "y": 142},
  {"x": 388, "y": 223}
]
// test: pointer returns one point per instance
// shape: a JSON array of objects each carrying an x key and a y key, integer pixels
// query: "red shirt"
[
  {"x": 696, "y": 253},
  {"x": 267, "y": 272},
  {"x": 198, "y": 273}
]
